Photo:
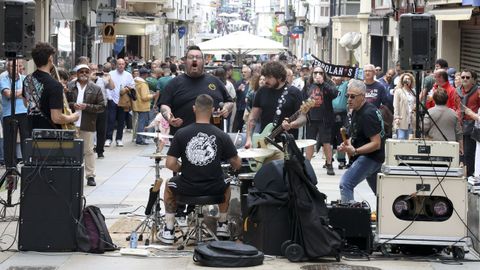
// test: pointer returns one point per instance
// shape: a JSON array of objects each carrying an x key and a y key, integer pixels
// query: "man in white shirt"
[{"x": 123, "y": 83}]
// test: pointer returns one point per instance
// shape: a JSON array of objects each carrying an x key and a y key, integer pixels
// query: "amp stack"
[
  {"x": 51, "y": 191},
  {"x": 422, "y": 195}
]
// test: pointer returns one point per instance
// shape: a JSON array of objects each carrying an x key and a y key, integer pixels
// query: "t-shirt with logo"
[
  {"x": 376, "y": 94},
  {"x": 202, "y": 148},
  {"x": 181, "y": 92},
  {"x": 367, "y": 122}
]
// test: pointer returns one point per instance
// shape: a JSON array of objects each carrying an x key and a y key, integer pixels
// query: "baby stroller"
[{"x": 311, "y": 235}]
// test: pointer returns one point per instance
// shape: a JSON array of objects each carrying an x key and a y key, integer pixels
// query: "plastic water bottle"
[{"x": 133, "y": 240}]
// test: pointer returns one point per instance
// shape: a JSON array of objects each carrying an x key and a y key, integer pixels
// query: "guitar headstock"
[{"x": 307, "y": 105}]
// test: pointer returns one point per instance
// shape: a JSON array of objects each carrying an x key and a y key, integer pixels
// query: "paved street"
[{"x": 123, "y": 179}]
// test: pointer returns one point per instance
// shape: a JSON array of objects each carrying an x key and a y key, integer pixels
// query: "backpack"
[
  {"x": 227, "y": 254},
  {"x": 92, "y": 232}
]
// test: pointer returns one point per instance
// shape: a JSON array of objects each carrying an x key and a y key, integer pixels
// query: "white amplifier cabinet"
[
  {"x": 474, "y": 219},
  {"x": 421, "y": 153},
  {"x": 407, "y": 204}
]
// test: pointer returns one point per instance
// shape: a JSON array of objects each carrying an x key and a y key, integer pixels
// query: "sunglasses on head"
[{"x": 318, "y": 72}]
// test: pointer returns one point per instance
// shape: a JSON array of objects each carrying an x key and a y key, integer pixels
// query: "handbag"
[{"x": 475, "y": 134}]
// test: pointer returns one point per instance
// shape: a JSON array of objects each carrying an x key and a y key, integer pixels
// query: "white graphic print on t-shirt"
[{"x": 201, "y": 149}]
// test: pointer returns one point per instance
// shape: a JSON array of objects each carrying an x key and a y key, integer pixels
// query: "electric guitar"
[{"x": 258, "y": 139}]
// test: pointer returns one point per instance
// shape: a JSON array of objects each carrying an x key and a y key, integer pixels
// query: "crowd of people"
[{"x": 180, "y": 98}]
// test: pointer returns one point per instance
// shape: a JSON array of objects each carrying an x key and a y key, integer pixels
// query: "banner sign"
[{"x": 337, "y": 70}]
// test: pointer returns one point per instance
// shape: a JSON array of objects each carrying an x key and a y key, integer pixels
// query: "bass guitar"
[{"x": 259, "y": 139}]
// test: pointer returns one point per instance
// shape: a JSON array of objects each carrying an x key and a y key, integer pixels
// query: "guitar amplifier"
[
  {"x": 421, "y": 153},
  {"x": 357, "y": 234},
  {"x": 53, "y": 152},
  {"x": 53, "y": 134}
]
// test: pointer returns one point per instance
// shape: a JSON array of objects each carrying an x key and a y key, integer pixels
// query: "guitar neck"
[{"x": 279, "y": 128}]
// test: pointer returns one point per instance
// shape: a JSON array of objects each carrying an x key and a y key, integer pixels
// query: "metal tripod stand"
[{"x": 11, "y": 172}]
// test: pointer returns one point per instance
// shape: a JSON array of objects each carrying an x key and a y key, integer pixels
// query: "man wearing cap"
[
  {"x": 142, "y": 104},
  {"x": 86, "y": 97},
  {"x": 302, "y": 80}
]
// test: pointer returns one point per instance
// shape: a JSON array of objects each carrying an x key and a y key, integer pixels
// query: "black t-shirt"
[
  {"x": 267, "y": 100},
  {"x": 367, "y": 122},
  {"x": 202, "y": 147},
  {"x": 181, "y": 92},
  {"x": 51, "y": 98},
  {"x": 323, "y": 96}
]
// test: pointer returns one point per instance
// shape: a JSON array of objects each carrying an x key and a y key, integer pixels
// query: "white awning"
[{"x": 452, "y": 14}]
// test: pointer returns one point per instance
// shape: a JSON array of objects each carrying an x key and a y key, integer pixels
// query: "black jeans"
[
  {"x": 9, "y": 143},
  {"x": 101, "y": 131},
  {"x": 115, "y": 114},
  {"x": 469, "y": 147}
]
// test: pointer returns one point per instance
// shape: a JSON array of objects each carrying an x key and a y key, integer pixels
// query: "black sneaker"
[
  {"x": 330, "y": 169},
  {"x": 341, "y": 165},
  {"x": 100, "y": 155},
  {"x": 91, "y": 182}
]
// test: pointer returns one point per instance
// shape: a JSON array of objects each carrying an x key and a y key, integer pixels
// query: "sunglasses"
[
  {"x": 318, "y": 72},
  {"x": 352, "y": 96},
  {"x": 84, "y": 71},
  {"x": 466, "y": 77}
]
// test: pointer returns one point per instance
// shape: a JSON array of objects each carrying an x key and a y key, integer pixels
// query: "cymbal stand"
[{"x": 154, "y": 219}]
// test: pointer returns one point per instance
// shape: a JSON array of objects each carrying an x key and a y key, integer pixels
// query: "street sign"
[
  {"x": 108, "y": 33},
  {"x": 298, "y": 29}
]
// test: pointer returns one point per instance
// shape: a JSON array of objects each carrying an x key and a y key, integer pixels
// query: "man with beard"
[
  {"x": 43, "y": 94},
  {"x": 275, "y": 102},
  {"x": 387, "y": 82},
  {"x": 242, "y": 88},
  {"x": 366, "y": 143},
  {"x": 179, "y": 96},
  {"x": 86, "y": 98},
  {"x": 319, "y": 128}
]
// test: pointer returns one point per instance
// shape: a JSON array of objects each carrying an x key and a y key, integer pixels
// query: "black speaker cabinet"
[
  {"x": 353, "y": 224},
  {"x": 417, "y": 42},
  {"x": 50, "y": 205},
  {"x": 17, "y": 28}
]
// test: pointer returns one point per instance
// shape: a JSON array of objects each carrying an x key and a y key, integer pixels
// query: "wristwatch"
[{"x": 355, "y": 152}]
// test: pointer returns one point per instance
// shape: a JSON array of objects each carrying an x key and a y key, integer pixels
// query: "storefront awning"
[{"x": 452, "y": 14}]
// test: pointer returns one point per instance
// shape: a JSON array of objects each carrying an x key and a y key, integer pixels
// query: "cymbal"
[
  {"x": 155, "y": 135},
  {"x": 254, "y": 153},
  {"x": 155, "y": 155},
  {"x": 300, "y": 144}
]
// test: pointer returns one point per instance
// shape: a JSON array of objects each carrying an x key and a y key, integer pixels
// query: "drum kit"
[{"x": 240, "y": 182}]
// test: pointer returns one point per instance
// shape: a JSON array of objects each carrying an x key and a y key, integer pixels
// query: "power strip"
[{"x": 134, "y": 252}]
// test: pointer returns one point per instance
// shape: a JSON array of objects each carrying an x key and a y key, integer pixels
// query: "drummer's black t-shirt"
[
  {"x": 267, "y": 100},
  {"x": 202, "y": 147}
]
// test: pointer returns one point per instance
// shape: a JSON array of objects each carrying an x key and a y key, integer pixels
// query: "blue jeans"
[
  {"x": 142, "y": 122},
  {"x": 362, "y": 168},
  {"x": 402, "y": 134}
]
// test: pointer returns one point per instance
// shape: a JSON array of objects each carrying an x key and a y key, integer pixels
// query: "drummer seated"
[{"x": 201, "y": 147}]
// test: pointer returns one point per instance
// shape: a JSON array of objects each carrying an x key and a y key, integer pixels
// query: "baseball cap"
[{"x": 143, "y": 71}]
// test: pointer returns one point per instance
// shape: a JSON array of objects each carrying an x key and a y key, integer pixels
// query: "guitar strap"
[{"x": 278, "y": 111}]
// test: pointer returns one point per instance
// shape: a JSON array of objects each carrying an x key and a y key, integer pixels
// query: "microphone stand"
[{"x": 11, "y": 171}]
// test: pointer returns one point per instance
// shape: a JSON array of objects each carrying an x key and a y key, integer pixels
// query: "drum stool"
[{"x": 200, "y": 232}]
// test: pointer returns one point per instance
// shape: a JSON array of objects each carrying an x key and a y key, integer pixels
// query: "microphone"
[{"x": 220, "y": 105}]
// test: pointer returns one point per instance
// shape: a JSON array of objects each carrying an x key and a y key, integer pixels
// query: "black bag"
[
  {"x": 92, "y": 232},
  {"x": 227, "y": 254},
  {"x": 475, "y": 134}
]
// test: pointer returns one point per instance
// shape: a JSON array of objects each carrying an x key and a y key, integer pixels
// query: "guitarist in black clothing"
[{"x": 275, "y": 102}]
